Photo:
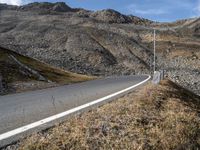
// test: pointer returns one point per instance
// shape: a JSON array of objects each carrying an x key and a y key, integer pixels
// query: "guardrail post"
[{"x": 158, "y": 76}]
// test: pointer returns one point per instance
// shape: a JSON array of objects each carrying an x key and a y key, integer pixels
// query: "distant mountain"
[
  {"x": 58, "y": 7},
  {"x": 103, "y": 42},
  {"x": 7, "y": 7},
  {"x": 189, "y": 26},
  {"x": 108, "y": 15}
]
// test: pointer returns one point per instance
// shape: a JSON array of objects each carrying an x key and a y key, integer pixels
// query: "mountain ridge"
[{"x": 107, "y": 15}]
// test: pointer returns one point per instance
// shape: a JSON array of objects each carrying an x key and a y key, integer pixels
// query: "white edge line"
[{"x": 60, "y": 115}]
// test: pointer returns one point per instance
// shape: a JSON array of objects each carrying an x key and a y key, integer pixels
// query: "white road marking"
[{"x": 60, "y": 115}]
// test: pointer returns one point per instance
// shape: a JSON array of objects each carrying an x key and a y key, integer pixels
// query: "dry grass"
[{"x": 165, "y": 116}]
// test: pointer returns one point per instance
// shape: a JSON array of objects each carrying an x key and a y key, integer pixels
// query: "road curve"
[{"x": 21, "y": 109}]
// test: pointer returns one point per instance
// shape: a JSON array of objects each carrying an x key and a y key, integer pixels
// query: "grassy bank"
[{"x": 163, "y": 116}]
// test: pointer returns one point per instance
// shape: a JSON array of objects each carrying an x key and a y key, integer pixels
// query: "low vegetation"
[{"x": 163, "y": 116}]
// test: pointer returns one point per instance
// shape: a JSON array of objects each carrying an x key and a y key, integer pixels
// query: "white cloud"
[
  {"x": 146, "y": 11},
  {"x": 150, "y": 11},
  {"x": 12, "y": 2},
  {"x": 198, "y": 8}
]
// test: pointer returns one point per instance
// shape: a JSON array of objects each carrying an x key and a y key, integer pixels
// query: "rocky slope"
[
  {"x": 19, "y": 73},
  {"x": 103, "y": 42},
  {"x": 64, "y": 40}
]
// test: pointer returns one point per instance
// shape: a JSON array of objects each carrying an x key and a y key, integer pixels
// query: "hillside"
[
  {"x": 102, "y": 43},
  {"x": 64, "y": 40},
  {"x": 22, "y": 73},
  {"x": 164, "y": 116}
]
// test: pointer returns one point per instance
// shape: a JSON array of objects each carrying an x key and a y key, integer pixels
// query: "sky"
[{"x": 157, "y": 10}]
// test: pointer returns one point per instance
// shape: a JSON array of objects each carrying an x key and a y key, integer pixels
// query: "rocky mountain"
[
  {"x": 58, "y": 7},
  {"x": 102, "y": 43},
  {"x": 43, "y": 6},
  {"x": 67, "y": 40},
  {"x": 112, "y": 16}
]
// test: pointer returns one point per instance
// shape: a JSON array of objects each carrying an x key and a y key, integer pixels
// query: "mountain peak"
[
  {"x": 110, "y": 16},
  {"x": 58, "y": 7},
  {"x": 61, "y": 7}
]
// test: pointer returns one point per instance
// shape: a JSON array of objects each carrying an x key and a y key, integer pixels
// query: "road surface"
[{"x": 21, "y": 109}]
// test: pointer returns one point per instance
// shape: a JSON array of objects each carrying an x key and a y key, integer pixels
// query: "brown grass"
[{"x": 165, "y": 116}]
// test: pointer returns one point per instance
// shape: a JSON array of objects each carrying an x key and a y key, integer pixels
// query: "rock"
[{"x": 3, "y": 86}]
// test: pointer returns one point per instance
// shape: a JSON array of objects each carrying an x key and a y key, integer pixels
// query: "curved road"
[{"x": 20, "y": 109}]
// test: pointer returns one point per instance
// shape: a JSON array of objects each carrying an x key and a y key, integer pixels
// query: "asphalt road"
[{"x": 20, "y": 109}]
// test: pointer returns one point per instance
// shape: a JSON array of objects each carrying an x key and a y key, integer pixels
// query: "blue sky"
[{"x": 158, "y": 10}]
